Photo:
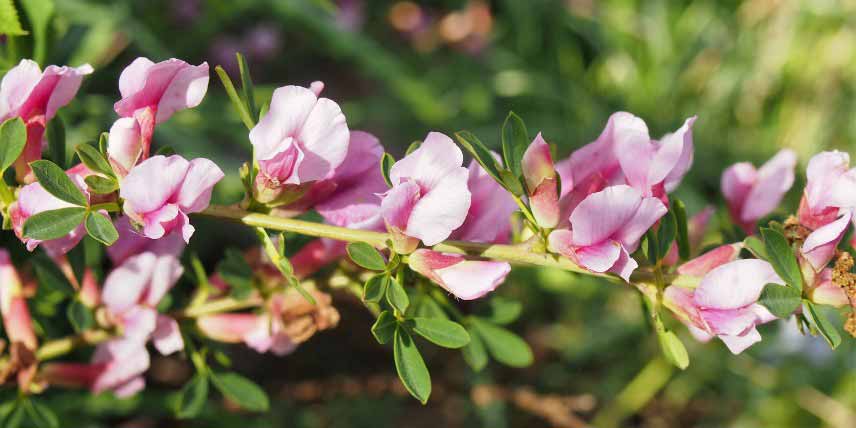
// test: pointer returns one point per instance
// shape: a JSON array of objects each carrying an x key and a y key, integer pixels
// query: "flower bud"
[
  {"x": 466, "y": 279},
  {"x": 541, "y": 183}
]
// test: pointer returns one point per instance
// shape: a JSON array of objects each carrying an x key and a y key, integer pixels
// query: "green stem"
[{"x": 518, "y": 254}]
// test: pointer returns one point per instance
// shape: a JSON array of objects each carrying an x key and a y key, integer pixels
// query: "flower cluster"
[{"x": 421, "y": 228}]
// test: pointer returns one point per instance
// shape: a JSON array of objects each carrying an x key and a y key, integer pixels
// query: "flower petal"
[
  {"x": 735, "y": 284},
  {"x": 603, "y": 214}
]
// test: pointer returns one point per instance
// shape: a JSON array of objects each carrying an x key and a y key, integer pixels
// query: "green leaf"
[
  {"x": 515, "y": 140},
  {"x": 237, "y": 273},
  {"x": 441, "y": 332},
  {"x": 239, "y": 105},
  {"x": 673, "y": 349},
  {"x": 386, "y": 162},
  {"x": 192, "y": 397},
  {"x": 10, "y": 25},
  {"x": 480, "y": 153},
  {"x": 92, "y": 158},
  {"x": 652, "y": 246},
  {"x": 412, "y": 147},
  {"x": 80, "y": 316},
  {"x": 242, "y": 391},
  {"x": 101, "y": 185},
  {"x": 375, "y": 288},
  {"x": 501, "y": 310},
  {"x": 410, "y": 366},
  {"x": 55, "y": 134},
  {"x": 15, "y": 415},
  {"x": 666, "y": 233},
  {"x": 425, "y": 306},
  {"x": 101, "y": 229},
  {"x": 366, "y": 256},
  {"x": 50, "y": 276},
  {"x": 781, "y": 301},
  {"x": 683, "y": 236},
  {"x": 781, "y": 256},
  {"x": 384, "y": 327},
  {"x": 819, "y": 321},
  {"x": 53, "y": 224},
  {"x": 756, "y": 246},
  {"x": 511, "y": 182},
  {"x": 246, "y": 84},
  {"x": 39, "y": 13},
  {"x": 103, "y": 142},
  {"x": 396, "y": 296},
  {"x": 474, "y": 353},
  {"x": 13, "y": 138},
  {"x": 54, "y": 180},
  {"x": 503, "y": 345}
]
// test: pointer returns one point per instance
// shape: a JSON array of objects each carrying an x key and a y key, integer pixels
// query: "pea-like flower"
[
  {"x": 753, "y": 193},
  {"x": 725, "y": 303},
  {"x": 161, "y": 191},
  {"x": 606, "y": 227},
  {"x": 35, "y": 97},
  {"x": 429, "y": 197},
  {"x": 301, "y": 139},
  {"x": 827, "y": 205},
  {"x": 153, "y": 92}
]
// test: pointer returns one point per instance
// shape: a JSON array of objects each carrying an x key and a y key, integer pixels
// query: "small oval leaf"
[
  {"x": 54, "y": 180},
  {"x": 13, "y": 138},
  {"x": 410, "y": 366},
  {"x": 101, "y": 229},
  {"x": 441, "y": 332},
  {"x": 503, "y": 345},
  {"x": 242, "y": 391},
  {"x": 366, "y": 256},
  {"x": 53, "y": 224}
]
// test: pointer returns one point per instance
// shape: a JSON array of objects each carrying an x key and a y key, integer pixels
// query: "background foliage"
[{"x": 760, "y": 74}]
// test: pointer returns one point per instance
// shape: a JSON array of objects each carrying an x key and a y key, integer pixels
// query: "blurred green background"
[{"x": 760, "y": 75}]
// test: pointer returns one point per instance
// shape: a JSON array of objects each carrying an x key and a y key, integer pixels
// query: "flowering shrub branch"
[{"x": 404, "y": 235}]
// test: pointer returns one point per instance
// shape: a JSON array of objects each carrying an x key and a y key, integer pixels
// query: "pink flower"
[
  {"x": 725, "y": 303},
  {"x": 625, "y": 154},
  {"x": 429, "y": 196},
  {"x": 131, "y": 294},
  {"x": 819, "y": 247},
  {"x": 116, "y": 366},
  {"x": 827, "y": 205},
  {"x": 158, "y": 90},
  {"x": 34, "y": 199},
  {"x": 541, "y": 183},
  {"x": 301, "y": 139},
  {"x": 752, "y": 194},
  {"x": 466, "y": 279},
  {"x": 606, "y": 227},
  {"x": 16, "y": 318},
  {"x": 825, "y": 292},
  {"x": 161, "y": 191},
  {"x": 125, "y": 145},
  {"x": 489, "y": 217},
  {"x": 35, "y": 96}
]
